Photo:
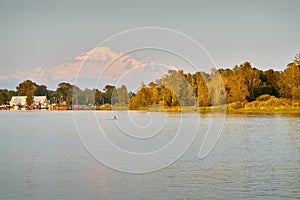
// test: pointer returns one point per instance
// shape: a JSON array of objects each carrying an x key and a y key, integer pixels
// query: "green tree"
[
  {"x": 89, "y": 97},
  {"x": 76, "y": 94},
  {"x": 64, "y": 93},
  {"x": 10, "y": 94},
  {"x": 99, "y": 99},
  {"x": 41, "y": 90},
  {"x": 52, "y": 96},
  {"x": 27, "y": 88},
  {"x": 29, "y": 99},
  {"x": 269, "y": 86},
  {"x": 109, "y": 94},
  {"x": 4, "y": 99},
  {"x": 1, "y": 99}
]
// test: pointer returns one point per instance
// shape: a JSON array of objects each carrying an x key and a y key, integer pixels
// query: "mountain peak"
[
  {"x": 112, "y": 67},
  {"x": 104, "y": 54}
]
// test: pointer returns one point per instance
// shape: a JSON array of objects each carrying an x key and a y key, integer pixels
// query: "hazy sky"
[{"x": 47, "y": 33}]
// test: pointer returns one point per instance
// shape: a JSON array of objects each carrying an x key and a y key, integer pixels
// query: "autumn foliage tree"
[
  {"x": 243, "y": 83},
  {"x": 289, "y": 82}
]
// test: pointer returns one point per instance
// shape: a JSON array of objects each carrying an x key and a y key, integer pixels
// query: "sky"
[{"x": 37, "y": 33}]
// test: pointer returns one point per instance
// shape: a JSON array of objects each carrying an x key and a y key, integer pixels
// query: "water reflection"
[{"x": 257, "y": 157}]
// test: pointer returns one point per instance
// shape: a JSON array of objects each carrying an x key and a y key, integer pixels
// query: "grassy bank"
[
  {"x": 268, "y": 110},
  {"x": 227, "y": 109},
  {"x": 265, "y": 104}
]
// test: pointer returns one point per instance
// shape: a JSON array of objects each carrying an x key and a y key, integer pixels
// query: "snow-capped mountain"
[{"x": 95, "y": 68}]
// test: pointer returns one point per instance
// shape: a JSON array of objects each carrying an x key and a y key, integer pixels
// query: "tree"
[
  {"x": 201, "y": 89},
  {"x": 99, "y": 99},
  {"x": 27, "y": 88},
  {"x": 154, "y": 92},
  {"x": 252, "y": 79},
  {"x": 10, "y": 94},
  {"x": 41, "y": 90},
  {"x": 289, "y": 81},
  {"x": 4, "y": 96},
  {"x": 165, "y": 96},
  {"x": 182, "y": 90},
  {"x": 297, "y": 60},
  {"x": 1, "y": 99},
  {"x": 142, "y": 99},
  {"x": 122, "y": 95},
  {"x": 216, "y": 88},
  {"x": 109, "y": 94},
  {"x": 76, "y": 94},
  {"x": 89, "y": 97},
  {"x": 52, "y": 96},
  {"x": 64, "y": 93},
  {"x": 270, "y": 86},
  {"x": 29, "y": 99},
  {"x": 240, "y": 83}
]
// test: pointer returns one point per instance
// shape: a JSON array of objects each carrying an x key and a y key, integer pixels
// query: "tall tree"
[
  {"x": 4, "y": 96},
  {"x": 251, "y": 77},
  {"x": 109, "y": 94},
  {"x": 27, "y": 88},
  {"x": 177, "y": 82},
  {"x": 289, "y": 81},
  {"x": 64, "y": 93},
  {"x": 216, "y": 88},
  {"x": 99, "y": 99},
  {"x": 89, "y": 96},
  {"x": 122, "y": 95},
  {"x": 142, "y": 99},
  {"x": 10, "y": 94},
  {"x": 41, "y": 90},
  {"x": 52, "y": 96},
  {"x": 270, "y": 78},
  {"x": 1, "y": 98},
  {"x": 297, "y": 60},
  {"x": 201, "y": 89}
]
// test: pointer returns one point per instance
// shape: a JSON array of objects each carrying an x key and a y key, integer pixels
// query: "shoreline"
[{"x": 188, "y": 109}]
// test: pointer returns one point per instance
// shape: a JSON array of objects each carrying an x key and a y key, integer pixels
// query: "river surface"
[{"x": 46, "y": 155}]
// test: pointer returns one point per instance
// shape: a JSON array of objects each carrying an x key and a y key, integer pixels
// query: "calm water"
[{"x": 42, "y": 157}]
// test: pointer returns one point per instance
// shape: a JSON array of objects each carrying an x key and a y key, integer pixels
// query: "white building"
[
  {"x": 18, "y": 100},
  {"x": 21, "y": 100},
  {"x": 40, "y": 100}
]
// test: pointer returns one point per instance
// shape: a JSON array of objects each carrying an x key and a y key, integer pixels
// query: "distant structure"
[
  {"x": 40, "y": 101},
  {"x": 17, "y": 100}
]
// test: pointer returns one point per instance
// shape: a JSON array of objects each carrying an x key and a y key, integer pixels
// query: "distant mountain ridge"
[{"x": 94, "y": 68}]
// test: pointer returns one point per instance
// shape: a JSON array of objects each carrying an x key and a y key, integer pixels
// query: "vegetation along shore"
[{"x": 242, "y": 89}]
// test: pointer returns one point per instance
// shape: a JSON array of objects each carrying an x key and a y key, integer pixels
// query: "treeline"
[
  {"x": 66, "y": 94},
  {"x": 242, "y": 83}
]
